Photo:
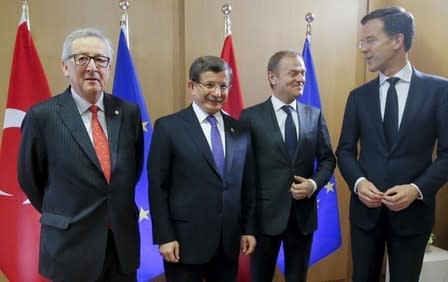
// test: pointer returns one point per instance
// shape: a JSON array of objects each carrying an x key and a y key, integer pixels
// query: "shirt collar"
[
  {"x": 202, "y": 115},
  {"x": 278, "y": 104},
  {"x": 404, "y": 74},
  {"x": 83, "y": 105}
]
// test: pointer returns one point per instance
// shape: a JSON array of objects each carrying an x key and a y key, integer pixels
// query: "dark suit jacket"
[
  {"x": 189, "y": 200},
  {"x": 59, "y": 172},
  {"x": 423, "y": 123},
  {"x": 275, "y": 171}
]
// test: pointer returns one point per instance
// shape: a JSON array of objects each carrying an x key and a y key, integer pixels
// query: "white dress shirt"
[
  {"x": 206, "y": 126},
  {"x": 86, "y": 115}
]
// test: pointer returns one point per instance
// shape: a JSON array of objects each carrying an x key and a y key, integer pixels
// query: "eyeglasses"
[
  {"x": 211, "y": 86},
  {"x": 371, "y": 41},
  {"x": 367, "y": 43},
  {"x": 84, "y": 60}
]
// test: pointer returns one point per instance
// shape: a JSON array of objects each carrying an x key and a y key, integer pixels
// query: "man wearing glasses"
[
  {"x": 80, "y": 158},
  {"x": 202, "y": 198},
  {"x": 392, "y": 127}
]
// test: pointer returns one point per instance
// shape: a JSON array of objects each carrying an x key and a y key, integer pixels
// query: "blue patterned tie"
[
  {"x": 390, "y": 120},
  {"x": 217, "y": 148},
  {"x": 290, "y": 132}
]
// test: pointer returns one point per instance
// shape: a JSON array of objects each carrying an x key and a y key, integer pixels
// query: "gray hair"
[{"x": 82, "y": 33}]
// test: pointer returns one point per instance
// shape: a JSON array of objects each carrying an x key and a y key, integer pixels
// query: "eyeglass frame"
[
  {"x": 215, "y": 86},
  {"x": 90, "y": 58},
  {"x": 371, "y": 41}
]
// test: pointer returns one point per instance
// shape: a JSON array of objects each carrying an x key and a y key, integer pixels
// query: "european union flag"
[
  {"x": 327, "y": 238},
  {"x": 127, "y": 87}
]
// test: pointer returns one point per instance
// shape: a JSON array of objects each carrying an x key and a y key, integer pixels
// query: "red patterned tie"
[{"x": 100, "y": 143}]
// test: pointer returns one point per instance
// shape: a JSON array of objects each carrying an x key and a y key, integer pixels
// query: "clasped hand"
[{"x": 397, "y": 198}]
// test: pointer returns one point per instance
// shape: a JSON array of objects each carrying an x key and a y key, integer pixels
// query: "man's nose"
[{"x": 91, "y": 66}]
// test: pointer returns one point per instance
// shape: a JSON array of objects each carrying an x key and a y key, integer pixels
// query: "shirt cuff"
[
  {"x": 355, "y": 188},
  {"x": 420, "y": 195},
  {"x": 314, "y": 187}
]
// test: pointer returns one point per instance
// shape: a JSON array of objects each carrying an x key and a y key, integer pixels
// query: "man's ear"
[
  {"x": 190, "y": 84},
  {"x": 271, "y": 77},
  {"x": 64, "y": 68},
  {"x": 399, "y": 41}
]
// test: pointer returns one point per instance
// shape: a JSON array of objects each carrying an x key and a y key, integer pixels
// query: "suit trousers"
[
  {"x": 296, "y": 247},
  {"x": 219, "y": 269},
  {"x": 111, "y": 269},
  {"x": 405, "y": 252}
]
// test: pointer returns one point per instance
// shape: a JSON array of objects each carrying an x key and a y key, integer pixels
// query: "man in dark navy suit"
[
  {"x": 202, "y": 195},
  {"x": 287, "y": 137},
  {"x": 80, "y": 158},
  {"x": 390, "y": 129}
]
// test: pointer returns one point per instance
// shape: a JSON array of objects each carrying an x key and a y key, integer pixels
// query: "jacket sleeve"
[{"x": 32, "y": 162}]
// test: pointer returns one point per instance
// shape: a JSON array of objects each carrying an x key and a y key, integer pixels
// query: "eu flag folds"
[
  {"x": 327, "y": 238},
  {"x": 127, "y": 87}
]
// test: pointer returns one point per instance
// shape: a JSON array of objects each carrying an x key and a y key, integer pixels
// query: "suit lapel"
[
  {"x": 373, "y": 108},
  {"x": 194, "y": 130},
  {"x": 231, "y": 144},
  {"x": 113, "y": 121},
  {"x": 413, "y": 102},
  {"x": 302, "y": 114},
  {"x": 69, "y": 114}
]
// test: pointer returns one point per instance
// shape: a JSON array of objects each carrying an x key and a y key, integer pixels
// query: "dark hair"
[
  {"x": 396, "y": 20},
  {"x": 208, "y": 63}
]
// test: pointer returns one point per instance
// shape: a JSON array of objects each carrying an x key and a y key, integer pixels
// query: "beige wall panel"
[{"x": 166, "y": 35}]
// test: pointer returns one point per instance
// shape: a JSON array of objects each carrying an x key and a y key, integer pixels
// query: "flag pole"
[
  {"x": 309, "y": 18},
  {"x": 124, "y": 23},
  {"x": 25, "y": 14},
  {"x": 227, "y": 10}
]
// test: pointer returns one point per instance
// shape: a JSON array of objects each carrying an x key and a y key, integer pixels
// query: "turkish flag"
[
  {"x": 234, "y": 106},
  {"x": 19, "y": 231},
  {"x": 234, "y": 103}
]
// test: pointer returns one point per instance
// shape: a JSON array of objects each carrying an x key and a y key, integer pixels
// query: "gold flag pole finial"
[
  {"x": 226, "y": 10},
  {"x": 124, "y": 6},
  {"x": 309, "y": 18},
  {"x": 25, "y": 13}
]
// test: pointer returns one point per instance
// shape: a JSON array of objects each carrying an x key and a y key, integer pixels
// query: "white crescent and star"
[{"x": 13, "y": 118}]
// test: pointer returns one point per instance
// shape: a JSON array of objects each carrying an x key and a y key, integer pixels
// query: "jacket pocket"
[{"x": 58, "y": 221}]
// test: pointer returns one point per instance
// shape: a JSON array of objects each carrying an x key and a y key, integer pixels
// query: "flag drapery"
[
  {"x": 234, "y": 106},
  {"x": 327, "y": 238},
  {"x": 19, "y": 234},
  {"x": 234, "y": 103},
  {"x": 127, "y": 86}
]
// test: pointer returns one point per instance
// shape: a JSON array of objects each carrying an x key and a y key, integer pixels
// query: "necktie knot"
[
  {"x": 212, "y": 120},
  {"x": 392, "y": 81},
  {"x": 93, "y": 109},
  {"x": 287, "y": 109}
]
